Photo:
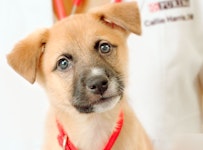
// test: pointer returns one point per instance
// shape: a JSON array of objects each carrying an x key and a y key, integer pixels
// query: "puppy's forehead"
[
  {"x": 83, "y": 28},
  {"x": 72, "y": 26}
]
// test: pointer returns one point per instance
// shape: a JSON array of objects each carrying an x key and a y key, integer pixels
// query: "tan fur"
[{"x": 35, "y": 58}]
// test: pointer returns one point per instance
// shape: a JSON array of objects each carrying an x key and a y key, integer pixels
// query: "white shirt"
[{"x": 165, "y": 66}]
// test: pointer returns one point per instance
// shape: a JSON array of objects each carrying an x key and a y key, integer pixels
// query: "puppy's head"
[{"x": 81, "y": 60}]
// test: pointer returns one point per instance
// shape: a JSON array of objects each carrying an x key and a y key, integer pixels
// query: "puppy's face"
[
  {"x": 84, "y": 63},
  {"x": 81, "y": 60}
]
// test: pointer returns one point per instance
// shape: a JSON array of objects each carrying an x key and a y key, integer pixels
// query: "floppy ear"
[
  {"x": 24, "y": 58},
  {"x": 123, "y": 15}
]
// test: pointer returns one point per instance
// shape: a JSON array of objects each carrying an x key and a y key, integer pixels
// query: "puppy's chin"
[
  {"x": 100, "y": 106},
  {"x": 107, "y": 104}
]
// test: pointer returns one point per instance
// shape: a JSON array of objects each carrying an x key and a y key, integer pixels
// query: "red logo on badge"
[{"x": 168, "y": 4}]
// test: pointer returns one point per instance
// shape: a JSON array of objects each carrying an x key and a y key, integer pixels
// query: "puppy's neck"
[{"x": 96, "y": 126}]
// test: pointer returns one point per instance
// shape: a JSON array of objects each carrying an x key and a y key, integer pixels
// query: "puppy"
[{"x": 81, "y": 62}]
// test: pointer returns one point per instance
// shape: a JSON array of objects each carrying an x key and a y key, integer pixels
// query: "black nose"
[{"x": 97, "y": 84}]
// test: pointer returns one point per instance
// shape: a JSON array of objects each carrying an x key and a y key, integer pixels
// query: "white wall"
[{"x": 22, "y": 105}]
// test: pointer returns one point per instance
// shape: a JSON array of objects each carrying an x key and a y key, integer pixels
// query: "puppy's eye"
[
  {"x": 64, "y": 63},
  {"x": 105, "y": 47}
]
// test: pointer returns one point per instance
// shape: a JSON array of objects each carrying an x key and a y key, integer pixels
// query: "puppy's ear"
[
  {"x": 24, "y": 58},
  {"x": 123, "y": 15}
]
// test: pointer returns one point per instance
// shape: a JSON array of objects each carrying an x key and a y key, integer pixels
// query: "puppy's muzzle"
[
  {"x": 97, "y": 84},
  {"x": 97, "y": 90}
]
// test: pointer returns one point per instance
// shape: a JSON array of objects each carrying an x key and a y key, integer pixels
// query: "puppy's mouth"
[
  {"x": 100, "y": 105},
  {"x": 104, "y": 99}
]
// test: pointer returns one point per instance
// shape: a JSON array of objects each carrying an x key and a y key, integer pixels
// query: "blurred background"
[{"x": 22, "y": 105}]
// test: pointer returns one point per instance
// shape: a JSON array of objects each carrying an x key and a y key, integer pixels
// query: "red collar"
[{"x": 66, "y": 144}]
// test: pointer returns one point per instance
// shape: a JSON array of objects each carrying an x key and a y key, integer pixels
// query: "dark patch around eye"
[
  {"x": 69, "y": 56},
  {"x": 96, "y": 46}
]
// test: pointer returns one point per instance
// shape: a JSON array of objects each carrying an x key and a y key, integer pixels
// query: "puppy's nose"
[{"x": 97, "y": 84}]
